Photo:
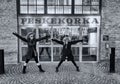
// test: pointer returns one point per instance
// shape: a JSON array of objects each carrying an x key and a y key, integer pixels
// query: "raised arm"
[
  {"x": 74, "y": 42},
  {"x": 42, "y": 38},
  {"x": 20, "y": 37},
  {"x": 60, "y": 42}
]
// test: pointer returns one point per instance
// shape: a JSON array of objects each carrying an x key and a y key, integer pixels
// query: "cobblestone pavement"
[{"x": 90, "y": 73}]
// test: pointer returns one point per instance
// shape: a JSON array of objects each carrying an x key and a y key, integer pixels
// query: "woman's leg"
[
  {"x": 24, "y": 66},
  {"x": 38, "y": 64},
  {"x": 77, "y": 68},
  {"x": 59, "y": 65}
]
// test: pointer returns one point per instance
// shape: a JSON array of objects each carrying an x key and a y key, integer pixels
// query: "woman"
[
  {"x": 32, "y": 52},
  {"x": 66, "y": 51}
]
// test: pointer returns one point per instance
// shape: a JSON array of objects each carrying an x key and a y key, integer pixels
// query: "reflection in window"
[
  {"x": 45, "y": 54},
  {"x": 42, "y": 33}
]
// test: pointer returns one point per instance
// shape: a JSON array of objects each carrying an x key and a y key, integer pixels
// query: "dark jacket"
[
  {"x": 31, "y": 45},
  {"x": 66, "y": 51}
]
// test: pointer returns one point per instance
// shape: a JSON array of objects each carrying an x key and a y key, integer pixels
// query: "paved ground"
[{"x": 90, "y": 74}]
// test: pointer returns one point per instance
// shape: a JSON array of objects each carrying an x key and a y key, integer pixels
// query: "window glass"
[
  {"x": 59, "y": 9},
  {"x": 92, "y": 37},
  {"x": 45, "y": 32},
  {"x": 57, "y": 53},
  {"x": 59, "y": 6},
  {"x": 86, "y": 9},
  {"x": 24, "y": 52},
  {"x": 60, "y": 2},
  {"x": 75, "y": 52},
  {"x": 32, "y": 2},
  {"x": 67, "y": 9},
  {"x": 94, "y": 9},
  {"x": 86, "y": 2},
  {"x": 23, "y": 9},
  {"x": 32, "y": 9},
  {"x": 94, "y": 2},
  {"x": 78, "y": 2},
  {"x": 85, "y": 35},
  {"x": 45, "y": 54},
  {"x": 89, "y": 54},
  {"x": 23, "y": 2},
  {"x": 78, "y": 9},
  {"x": 67, "y": 2},
  {"x": 40, "y": 2},
  {"x": 51, "y": 2},
  {"x": 51, "y": 9},
  {"x": 40, "y": 9}
]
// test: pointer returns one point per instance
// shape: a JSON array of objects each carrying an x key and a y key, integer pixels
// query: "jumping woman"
[
  {"x": 66, "y": 51},
  {"x": 31, "y": 52}
]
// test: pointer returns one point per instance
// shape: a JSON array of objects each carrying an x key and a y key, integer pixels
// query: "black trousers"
[
  {"x": 35, "y": 58},
  {"x": 70, "y": 60}
]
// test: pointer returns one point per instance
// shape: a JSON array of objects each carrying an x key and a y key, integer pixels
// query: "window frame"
[{"x": 72, "y": 9}]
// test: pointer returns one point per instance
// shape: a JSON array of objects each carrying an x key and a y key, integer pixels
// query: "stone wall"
[
  {"x": 8, "y": 24},
  {"x": 110, "y": 25}
]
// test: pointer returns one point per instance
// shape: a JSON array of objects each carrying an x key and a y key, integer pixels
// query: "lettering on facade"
[{"x": 59, "y": 20}]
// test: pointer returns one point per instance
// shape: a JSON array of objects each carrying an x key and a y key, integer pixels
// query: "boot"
[
  {"x": 24, "y": 70},
  {"x": 77, "y": 69},
  {"x": 40, "y": 68},
  {"x": 56, "y": 69}
]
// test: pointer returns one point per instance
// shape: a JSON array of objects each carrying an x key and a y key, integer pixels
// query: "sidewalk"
[{"x": 97, "y": 73}]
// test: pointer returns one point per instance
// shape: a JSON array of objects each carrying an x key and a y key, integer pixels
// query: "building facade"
[{"x": 94, "y": 20}]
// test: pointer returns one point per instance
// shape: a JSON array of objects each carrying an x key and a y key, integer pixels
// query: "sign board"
[{"x": 60, "y": 20}]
